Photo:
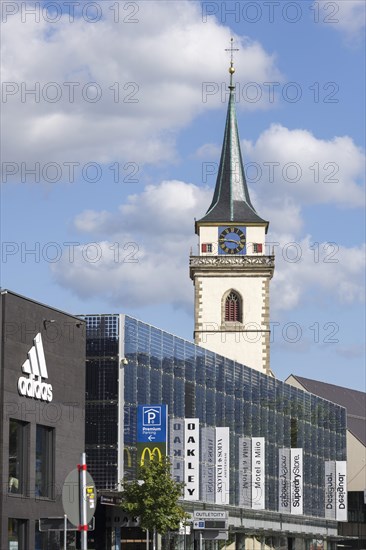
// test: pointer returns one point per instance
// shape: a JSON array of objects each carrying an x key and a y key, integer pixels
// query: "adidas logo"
[{"x": 36, "y": 369}]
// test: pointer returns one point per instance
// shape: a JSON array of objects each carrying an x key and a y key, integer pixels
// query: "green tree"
[{"x": 153, "y": 497}]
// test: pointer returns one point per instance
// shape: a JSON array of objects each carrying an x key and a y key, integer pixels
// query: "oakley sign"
[{"x": 35, "y": 368}]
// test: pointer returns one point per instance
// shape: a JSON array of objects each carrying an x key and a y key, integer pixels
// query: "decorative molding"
[
  {"x": 223, "y": 260},
  {"x": 237, "y": 266}
]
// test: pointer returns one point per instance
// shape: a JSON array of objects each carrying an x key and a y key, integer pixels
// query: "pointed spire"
[{"x": 231, "y": 201}]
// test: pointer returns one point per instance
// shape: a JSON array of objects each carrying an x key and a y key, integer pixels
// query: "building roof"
[
  {"x": 5, "y": 291},
  {"x": 353, "y": 400},
  {"x": 231, "y": 201}
]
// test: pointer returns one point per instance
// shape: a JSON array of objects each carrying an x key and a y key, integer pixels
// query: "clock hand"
[{"x": 231, "y": 241}]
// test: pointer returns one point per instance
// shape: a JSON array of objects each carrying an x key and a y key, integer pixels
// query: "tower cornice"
[{"x": 254, "y": 266}]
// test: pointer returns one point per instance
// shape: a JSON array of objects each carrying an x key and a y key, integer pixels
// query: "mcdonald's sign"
[
  {"x": 150, "y": 451},
  {"x": 152, "y": 454},
  {"x": 127, "y": 457}
]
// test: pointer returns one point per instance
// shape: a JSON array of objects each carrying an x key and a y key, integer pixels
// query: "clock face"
[{"x": 232, "y": 240}]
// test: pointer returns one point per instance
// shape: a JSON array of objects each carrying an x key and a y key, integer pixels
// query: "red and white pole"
[{"x": 83, "y": 527}]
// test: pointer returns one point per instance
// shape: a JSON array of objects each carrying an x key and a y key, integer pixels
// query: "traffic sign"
[
  {"x": 220, "y": 524},
  {"x": 71, "y": 497}
]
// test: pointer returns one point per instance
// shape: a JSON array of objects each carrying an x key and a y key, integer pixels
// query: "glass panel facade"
[
  {"x": 197, "y": 383},
  {"x": 101, "y": 407},
  {"x": 18, "y": 456},
  {"x": 45, "y": 462}
]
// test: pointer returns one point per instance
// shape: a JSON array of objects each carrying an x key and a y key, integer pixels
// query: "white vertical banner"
[
  {"x": 284, "y": 481},
  {"x": 330, "y": 489},
  {"x": 208, "y": 464},
  {"x": 245, "y": 471},
  {"x": 341, "y": 490},
  {"x": 176, "y": 448},
  {"x": 191, "y": 458},
  {"x": 258, "y": 473},
  {"x": 222, "y": 466},
  {"x": 297, "y": 492}
]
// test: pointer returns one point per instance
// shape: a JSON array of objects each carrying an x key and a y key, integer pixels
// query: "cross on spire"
[{"x": 231, "y": 68}]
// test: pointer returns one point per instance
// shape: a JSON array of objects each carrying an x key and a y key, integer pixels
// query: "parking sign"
[{"x": 151, "y": 423}]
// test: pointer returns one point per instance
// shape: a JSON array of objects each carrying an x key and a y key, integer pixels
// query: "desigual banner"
[
  {"x": 284, "y": 481},
  {"x": 341, "y": 490},
  {"x": 330, "y": 489}
]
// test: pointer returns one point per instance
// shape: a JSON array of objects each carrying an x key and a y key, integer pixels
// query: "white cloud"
[
  {"x": 315, "y": 274},
  {"x": 208, "y": 151},
  {"x": 345, "y": 16},
  {"x": 159, "y": 90},
  {"x": 296, "y": 166},
  {"x": 155, "y": 228}
]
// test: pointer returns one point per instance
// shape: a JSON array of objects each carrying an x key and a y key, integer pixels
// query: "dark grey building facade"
[{"x": 42, "y": 402}]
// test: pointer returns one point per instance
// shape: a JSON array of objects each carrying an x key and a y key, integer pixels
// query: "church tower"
[{"x": 231, "y": 274}]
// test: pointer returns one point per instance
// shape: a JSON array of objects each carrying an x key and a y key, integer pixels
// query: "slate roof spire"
[{"x": 231, "y": 201}]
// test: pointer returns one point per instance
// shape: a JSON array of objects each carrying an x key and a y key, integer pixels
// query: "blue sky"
[{"x": 123, "y": 133}]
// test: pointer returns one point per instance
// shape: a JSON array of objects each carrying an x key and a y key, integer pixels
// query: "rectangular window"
[
  {"x": 257, "y": 248},
  {"x": 18, "y": 457},
  {"x": 206, "y": 247},
  {"x": 17, "y": 534},
  {"x": 45, "y": 460}
]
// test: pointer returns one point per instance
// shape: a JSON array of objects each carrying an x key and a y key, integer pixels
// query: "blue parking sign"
[{"x": 151, "y": 423}]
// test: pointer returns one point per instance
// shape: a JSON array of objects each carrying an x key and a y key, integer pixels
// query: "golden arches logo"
[
  {"x": 155, "y": 452},
  {"x": 127, "y": 457}
]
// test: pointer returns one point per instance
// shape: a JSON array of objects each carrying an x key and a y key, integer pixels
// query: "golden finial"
[{"x": 231, "y": 68}]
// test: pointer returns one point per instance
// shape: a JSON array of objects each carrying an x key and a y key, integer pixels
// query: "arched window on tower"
[{"x": 233, "y": 307}]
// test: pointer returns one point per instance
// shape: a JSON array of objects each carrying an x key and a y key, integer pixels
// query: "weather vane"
[{"x": 231, "y": 68}]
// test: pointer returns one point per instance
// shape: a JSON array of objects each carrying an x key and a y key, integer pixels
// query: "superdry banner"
[
  {"x": 176, "y": 448},
  {"x": 208, "y": 464},
  {"x": 330, "y": 489},
  {"x": 341, "y": 490},
  {"x": 245, "y": 472},
  {"x": 297, "y": 495},
  {"x": 258, "y": 473},
  {"x": 284, "y": 481},
  {"x": 222, "y": 465},
  {"x": 191, "y": 459}
]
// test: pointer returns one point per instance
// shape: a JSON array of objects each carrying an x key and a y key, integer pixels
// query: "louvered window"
[{"x": 233, "y": 307}]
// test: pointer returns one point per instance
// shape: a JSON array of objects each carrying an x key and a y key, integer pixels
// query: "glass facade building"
[{"x": 159, "y": 367}]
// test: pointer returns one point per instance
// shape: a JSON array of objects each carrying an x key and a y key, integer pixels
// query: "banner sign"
[
  {"x": 176, "y": 448},
  {"x": 341, "y": 490},
  {"x": 258, "y": 473},
  {"x": 284, "y": 481},
  {"x": 191, "y": 458},
  {"x": 245, "y": 472},
  {"x": 208, "y": 464},
  {"x": 297, "y": 494},
  {"x": 151, "y": 432},
  {"x": 222, "y": 465},
  {"x": 330, "y": 489}
]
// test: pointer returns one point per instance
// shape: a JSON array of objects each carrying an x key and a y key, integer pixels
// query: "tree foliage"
[{"x": 153, "y": 497}]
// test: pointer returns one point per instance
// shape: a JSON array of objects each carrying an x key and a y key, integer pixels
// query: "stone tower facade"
[{"x": 231, "y": 273}]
